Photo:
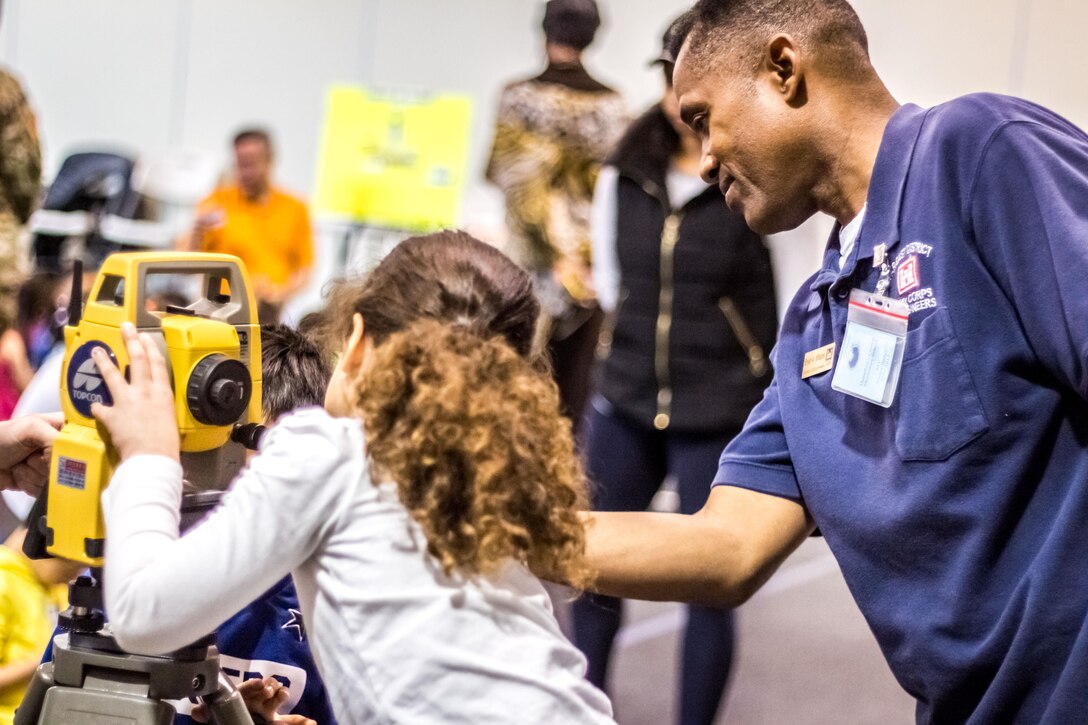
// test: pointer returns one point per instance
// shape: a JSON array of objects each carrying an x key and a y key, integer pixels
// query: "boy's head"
[{"x": 295, "y": 371}]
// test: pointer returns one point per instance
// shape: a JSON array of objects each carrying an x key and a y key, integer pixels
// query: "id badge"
[{"x": 871, "y": 357}]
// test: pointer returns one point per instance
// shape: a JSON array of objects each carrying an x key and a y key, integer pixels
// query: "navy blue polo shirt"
[{"x": 959, "y": 515}]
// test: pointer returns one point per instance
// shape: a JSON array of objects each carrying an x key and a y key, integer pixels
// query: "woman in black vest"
[{"x": 691, "y": 295}]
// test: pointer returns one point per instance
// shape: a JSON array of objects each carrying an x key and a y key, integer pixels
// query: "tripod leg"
[
  {"x": 226, "y": 705},
  {"x": 31, "y": 707}
]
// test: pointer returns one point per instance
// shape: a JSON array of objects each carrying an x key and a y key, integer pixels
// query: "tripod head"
[{"x": 91, "y": 675}]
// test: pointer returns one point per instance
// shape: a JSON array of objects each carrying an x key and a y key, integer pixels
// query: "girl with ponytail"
[{"x": 410, "y": 510}]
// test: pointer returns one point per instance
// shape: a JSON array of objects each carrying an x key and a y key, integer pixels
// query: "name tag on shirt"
[
  {"x": 872, "y": 348},
  {"x": 818, "y": 361}
]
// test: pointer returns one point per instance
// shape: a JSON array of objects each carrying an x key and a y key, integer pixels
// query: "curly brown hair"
[{"x": 457, "y": 414}]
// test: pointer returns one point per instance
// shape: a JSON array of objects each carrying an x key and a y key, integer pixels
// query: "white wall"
[
  {"x": 154, "y": 75},
  {"x": 150, "y": 75}
]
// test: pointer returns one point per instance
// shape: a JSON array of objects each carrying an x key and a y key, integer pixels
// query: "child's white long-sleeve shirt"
[{"x": 395, "y": 639}]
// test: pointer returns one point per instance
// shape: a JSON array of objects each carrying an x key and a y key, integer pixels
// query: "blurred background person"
[
  {"x": 552, "y": 133},
  {"x": 20, "y": 186},
  {"x": 36, "y": 316},
  {"x": 31, "y": 595},
  {"x": 262, "y": 224},
  {"x": 691, "y": 294},
  {"x": 15, "y": 370}
]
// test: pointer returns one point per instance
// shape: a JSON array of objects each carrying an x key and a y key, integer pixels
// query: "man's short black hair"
[
  {"x": 572, "y": 23},
  {"x": 831, "y": 27},
  {"x": 254, "y": 134},
  {"x": 672, "y": 41},
  {"x": 296, "y": 372}
]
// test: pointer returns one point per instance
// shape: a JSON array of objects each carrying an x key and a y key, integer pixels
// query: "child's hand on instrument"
[
  {"x": 142, "y": 418},
  {"x": 263, "y": 698}
]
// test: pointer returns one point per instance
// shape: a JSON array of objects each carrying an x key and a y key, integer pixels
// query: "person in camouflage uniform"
[{"x": 20, "y": 185}]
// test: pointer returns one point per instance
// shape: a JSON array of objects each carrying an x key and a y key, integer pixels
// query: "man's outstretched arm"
[{"x": 719, "y": 556}]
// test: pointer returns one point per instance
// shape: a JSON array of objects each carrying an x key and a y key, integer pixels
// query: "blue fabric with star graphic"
[{"x": 269, "y": 638}]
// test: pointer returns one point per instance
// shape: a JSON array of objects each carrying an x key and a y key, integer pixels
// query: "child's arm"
[
  {"x": 163, "y": 591},
  {"x": 18, "y": 673}
]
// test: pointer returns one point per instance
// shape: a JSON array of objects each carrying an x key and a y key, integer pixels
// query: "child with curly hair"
[{"x": 410, "y": 511}]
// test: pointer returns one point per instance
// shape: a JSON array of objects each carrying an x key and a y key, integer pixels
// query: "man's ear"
[
  {"x": 355, "y": 349},
  {"x": 783, "y": 63}
]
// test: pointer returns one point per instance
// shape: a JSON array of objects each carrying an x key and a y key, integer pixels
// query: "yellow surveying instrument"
[{"x": 213, "y": 352}]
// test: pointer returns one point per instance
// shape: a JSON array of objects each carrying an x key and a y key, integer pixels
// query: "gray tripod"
[{"x": 91, "y": 681}]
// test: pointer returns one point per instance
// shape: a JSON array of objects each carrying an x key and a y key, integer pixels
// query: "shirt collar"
[{"x": 884, "y": 200}]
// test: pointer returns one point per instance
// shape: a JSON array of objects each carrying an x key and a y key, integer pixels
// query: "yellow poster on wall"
[{"x": 393, "y": 161}]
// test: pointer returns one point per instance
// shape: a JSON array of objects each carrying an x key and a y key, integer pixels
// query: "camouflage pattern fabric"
[
  {"x": 550, "y": 142},
  {"x": 20, "y": 186}
]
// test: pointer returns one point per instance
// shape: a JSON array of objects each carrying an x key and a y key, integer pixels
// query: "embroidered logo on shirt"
[
  {"x": 295, "y": 623},
  {"x": 907, "y": 277}
]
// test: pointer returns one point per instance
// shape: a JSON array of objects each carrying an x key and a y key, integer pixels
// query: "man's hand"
[
  {"x": 263, "y": 698},
  {"x": 25, "y": 448},
  {"x": 206, "y": 221},
  {"x": 141, "y": 420}
]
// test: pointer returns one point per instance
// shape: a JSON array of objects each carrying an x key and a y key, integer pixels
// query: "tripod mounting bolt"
[{"x": 87, "y": 623}]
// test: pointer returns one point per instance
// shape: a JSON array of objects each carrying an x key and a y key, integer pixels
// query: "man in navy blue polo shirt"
[{"x": 957, "y": 508}]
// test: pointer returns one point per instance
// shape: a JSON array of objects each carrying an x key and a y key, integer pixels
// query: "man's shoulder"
[
  {"x": 981, "y": 115},
  {"x": 288, "y": 200},
  {"x": 544, "y": 86},
  {"x": 221, "y": 195}
]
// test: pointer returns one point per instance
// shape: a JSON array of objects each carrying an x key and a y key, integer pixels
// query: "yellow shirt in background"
[
  {"x": 27, "y": 617},
  {"x": 273, "y": 236}
]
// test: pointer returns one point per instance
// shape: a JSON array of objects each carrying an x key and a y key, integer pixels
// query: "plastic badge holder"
[{"x": 871, "y": 357}]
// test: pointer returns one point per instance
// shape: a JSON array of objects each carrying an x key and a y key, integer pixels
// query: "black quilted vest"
[{"x": 693, "y": 329}]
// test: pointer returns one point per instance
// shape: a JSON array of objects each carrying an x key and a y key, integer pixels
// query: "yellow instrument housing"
[{"x": 222, "y": 323}]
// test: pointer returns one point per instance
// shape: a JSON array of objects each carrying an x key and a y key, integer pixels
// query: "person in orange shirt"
[{"x": 266, "y": 227}]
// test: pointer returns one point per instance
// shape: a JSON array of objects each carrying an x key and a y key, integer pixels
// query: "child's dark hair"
[
  {"x": 456, "y": 413},
  {"x": 295, "y": 372}
]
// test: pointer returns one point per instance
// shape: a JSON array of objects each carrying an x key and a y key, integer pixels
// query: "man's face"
[
  {"x": 754, "y": 141},
  {"x": 253, "y": 166}
]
